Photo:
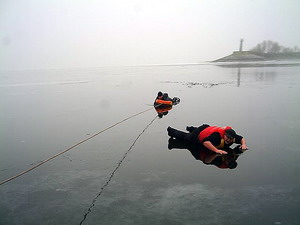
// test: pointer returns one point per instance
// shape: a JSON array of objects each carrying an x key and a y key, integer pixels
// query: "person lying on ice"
[
  {"x": 163, "y": 96},
  {"x": 211, "y": 137},
  {"x": 164, "y": 99}
]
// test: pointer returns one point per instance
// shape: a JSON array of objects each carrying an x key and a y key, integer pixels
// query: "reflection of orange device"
[
  {"x": 163, "y": 102},
  {"x": 163, "y": 109}
]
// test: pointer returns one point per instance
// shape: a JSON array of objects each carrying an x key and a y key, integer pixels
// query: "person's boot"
[
  {"x": 176, "y": 133},
  {"x": 190, "y": 128}
]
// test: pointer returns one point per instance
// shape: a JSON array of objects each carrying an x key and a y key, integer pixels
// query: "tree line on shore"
[{"x": 273, "y": 47}]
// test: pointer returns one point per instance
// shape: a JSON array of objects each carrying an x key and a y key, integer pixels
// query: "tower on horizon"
[{"x": 241, "y": 44}]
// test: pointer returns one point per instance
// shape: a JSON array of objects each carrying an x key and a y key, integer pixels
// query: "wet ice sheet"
[{"x": 154, "y": 184}]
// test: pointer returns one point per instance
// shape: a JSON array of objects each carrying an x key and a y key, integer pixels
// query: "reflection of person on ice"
[
  {"x": 228, "y": 161},
  {"x": 211, "y": 137}
]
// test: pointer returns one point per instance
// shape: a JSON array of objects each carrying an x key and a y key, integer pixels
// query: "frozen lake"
[{"x": 116, "y": 178}]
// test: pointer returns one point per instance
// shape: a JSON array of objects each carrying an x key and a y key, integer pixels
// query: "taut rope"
[
  {"x": 89, "y": 210},
  {"x": 73, "y": 146}
]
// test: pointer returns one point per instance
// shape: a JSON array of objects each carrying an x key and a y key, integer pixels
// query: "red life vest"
[{"x": 209, "y": 130}]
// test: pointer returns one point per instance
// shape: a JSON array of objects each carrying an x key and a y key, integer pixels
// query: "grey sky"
[{"x": 92, "y": 33}]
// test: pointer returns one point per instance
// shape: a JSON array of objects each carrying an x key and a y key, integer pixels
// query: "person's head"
[
  {"x": 165, "y": 95},
  {"x": 229, "y": 136},
  {"x": 159, "y": 95}
]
